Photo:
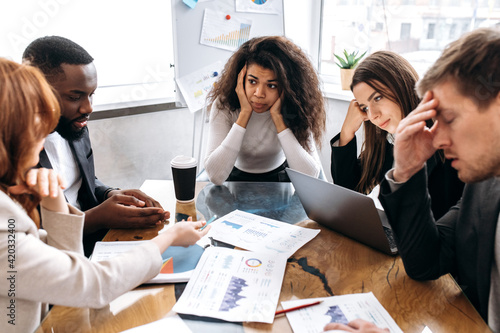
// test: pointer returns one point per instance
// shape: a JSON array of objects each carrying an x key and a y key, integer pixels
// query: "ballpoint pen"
[
  {"x": 297, "y": 308},
  {"x": 213, "y": 218}
]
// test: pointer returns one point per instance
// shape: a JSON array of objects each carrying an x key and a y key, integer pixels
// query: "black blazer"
[
  {"x": 445, "y": 187},
  {"x": 460, "y": 243},
  {"x": 92, "y": 191}
]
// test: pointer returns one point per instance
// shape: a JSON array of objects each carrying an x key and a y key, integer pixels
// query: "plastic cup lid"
[{"x": 183, "y": 162}]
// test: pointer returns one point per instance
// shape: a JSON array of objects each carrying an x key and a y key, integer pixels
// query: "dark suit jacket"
[
  {"x": 92, "y": 191},
  {"x": 445, "y": 187},
  {"x": 460, "y": 243}
]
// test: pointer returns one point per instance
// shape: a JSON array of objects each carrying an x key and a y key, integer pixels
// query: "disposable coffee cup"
[{"x": 184, "y": 176}]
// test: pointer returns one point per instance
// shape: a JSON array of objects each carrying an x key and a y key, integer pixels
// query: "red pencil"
[{"x": 297, "y": 308}]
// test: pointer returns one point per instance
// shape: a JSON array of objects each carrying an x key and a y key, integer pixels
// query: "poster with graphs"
[{"x": 224, "y": 31}]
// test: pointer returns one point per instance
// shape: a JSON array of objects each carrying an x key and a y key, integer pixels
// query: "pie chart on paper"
[{"x": 259, "y": 2}]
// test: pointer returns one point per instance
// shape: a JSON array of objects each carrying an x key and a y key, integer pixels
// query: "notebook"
[{"x": 345, "y": 211}]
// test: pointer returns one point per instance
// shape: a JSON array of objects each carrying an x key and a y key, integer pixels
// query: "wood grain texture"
[{"x": 330, "y": 264}]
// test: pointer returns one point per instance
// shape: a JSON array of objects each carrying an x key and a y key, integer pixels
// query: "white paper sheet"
[
  {"x": 167, "y": 324},
  {"x": 178, "y": 262},
  {"x": 196, "y": 85},
  {"x": 261, "y": 234},
  {"x": 221, "y": 32},
  {"x": 339, "y": 309},
  {"x": 234, "y": 286}
]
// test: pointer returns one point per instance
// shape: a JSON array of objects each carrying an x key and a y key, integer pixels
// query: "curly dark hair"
[{"x": 303, "y": 104}]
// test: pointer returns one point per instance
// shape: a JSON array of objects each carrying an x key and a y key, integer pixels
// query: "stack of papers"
[
  {"x": 238, "y": 285},
  {"x": 244, "y": 286}
]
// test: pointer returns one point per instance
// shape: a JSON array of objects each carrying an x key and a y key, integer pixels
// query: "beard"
[{"x": 66, "y": 130}]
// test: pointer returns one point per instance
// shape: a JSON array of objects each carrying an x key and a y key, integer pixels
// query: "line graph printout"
[
  {"x": 261, "y": 234},
  {"x": 218, "y": 31},
  {"x": 234, "y": 285},
  {"x": 338, "y": 309}
]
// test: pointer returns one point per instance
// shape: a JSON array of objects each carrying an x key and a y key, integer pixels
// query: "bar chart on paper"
[{"x": 220, "y": 32}]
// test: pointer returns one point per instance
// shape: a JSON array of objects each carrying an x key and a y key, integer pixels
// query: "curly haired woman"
[{"x": 267, "y": 113}]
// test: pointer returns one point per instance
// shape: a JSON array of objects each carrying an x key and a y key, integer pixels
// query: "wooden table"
[{"x": 331, "y": 264}]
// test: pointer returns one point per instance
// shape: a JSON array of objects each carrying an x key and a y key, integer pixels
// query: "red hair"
[{"x": 29, "y": 111}]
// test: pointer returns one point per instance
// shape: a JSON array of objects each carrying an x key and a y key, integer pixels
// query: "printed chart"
[
  {"x": 234, "y": 285},
  {"x": 196, "y": 86},
  {"x": 339, "y": 309},
  {"x": 256, "y": 233},
  {"x": 218, "y": 31}
]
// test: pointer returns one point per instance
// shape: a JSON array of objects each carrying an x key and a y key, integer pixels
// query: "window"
[
  {"x": 131, "y": 41},
  {"x": 405, "y": 31},
  {"x": 418, "y": 30},
  {"x": 430, "y": 30},
  {"x": 453, "y": 31}
]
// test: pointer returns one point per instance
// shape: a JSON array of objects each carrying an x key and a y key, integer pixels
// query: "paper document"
[
  {"x": 260, "y": 234},
  {"x": 196, "y": 85},
  {"x": 219, "y": 31},
  {"x": 234, "y": 286},
  {"x": 339, "y": 309},
  {"x": 178, "y": 262}
]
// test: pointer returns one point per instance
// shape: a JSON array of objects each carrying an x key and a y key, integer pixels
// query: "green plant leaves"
[{"x": 350, "y": 60}]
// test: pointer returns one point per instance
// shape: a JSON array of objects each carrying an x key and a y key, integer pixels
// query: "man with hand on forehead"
[
  {"x": 71, "y": 72},
  {"x": 462, "y": 93}
]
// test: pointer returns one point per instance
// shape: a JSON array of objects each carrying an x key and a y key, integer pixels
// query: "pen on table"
[
  {"x": 209, "y": 221},
  {"x": 296, "y": 308}
]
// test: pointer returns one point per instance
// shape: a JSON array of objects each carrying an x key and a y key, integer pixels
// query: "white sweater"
[
  {"x": 256, "y": 149},
  {"x": 48, "y": 266}
]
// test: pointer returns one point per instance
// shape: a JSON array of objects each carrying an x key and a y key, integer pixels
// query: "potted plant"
[{"x": 347, "y": 65}]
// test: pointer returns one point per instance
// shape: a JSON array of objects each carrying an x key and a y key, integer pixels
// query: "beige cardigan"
[{"x": 48, "y": 266}]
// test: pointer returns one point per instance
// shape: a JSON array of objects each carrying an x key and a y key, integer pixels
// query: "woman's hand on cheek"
[
  {"x": 276, "y": 107},
  {"x": 352, "y": 122},
  {"x": 277, "y": 116},
  {"x": 240, "y": 91}
]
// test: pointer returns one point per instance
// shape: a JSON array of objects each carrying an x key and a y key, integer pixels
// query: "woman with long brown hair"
[
  {"x": 47, "y": 266},
  {"x": 384, "y": 89},
  {"x": 267, "y": 113}
]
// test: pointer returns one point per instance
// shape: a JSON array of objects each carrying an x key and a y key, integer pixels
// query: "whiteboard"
[{"x": 190, "y": 55}]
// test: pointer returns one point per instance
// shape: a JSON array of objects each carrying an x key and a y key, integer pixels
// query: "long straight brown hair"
[
  {"x": 29, "y": 111},
  {"x": 394, "y": 78}
]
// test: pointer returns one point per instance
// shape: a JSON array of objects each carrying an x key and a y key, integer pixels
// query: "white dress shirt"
[{"x": 64, "y": 163}]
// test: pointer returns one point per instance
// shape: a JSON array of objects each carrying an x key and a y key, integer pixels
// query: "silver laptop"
[{"x": 340, "y": 209}]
